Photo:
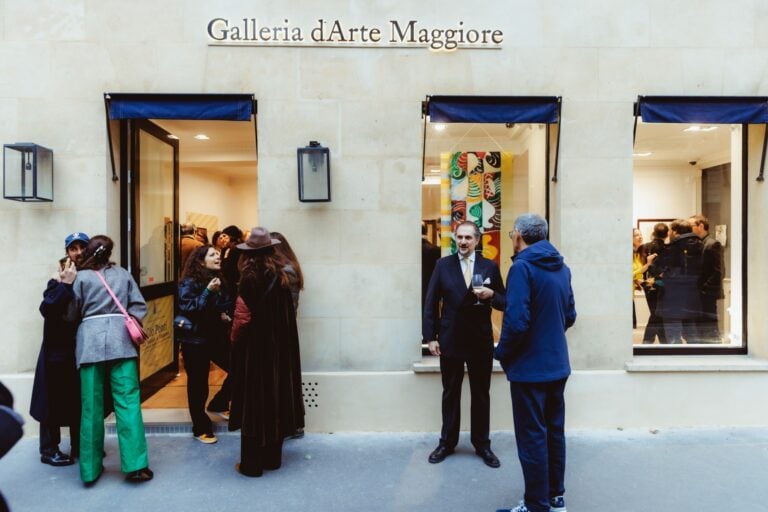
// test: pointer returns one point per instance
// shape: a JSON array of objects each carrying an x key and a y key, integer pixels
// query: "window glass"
[
  {"x": 483, "y": 172},
  {"x": 156, "y": 250},
  {"x": 687, "y": 236}
]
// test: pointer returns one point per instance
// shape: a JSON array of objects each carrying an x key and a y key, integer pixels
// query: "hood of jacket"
[{"x": 541, "y": 254}]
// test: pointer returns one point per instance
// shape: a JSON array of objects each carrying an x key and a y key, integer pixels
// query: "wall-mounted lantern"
[
  {"x": 314, "y": 173},
  {"x": 27, "y": 172}
]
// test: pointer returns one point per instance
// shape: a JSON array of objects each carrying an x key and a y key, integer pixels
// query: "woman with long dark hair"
[
  {"x": 266, "y": 369},
  {"x": 204, "y": 301},
  {"x": 291, "y": 266},
  {"x": 104, "y": 351}
]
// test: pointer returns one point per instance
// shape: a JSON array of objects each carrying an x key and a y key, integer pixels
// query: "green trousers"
[{"x": 124, "y": 379}]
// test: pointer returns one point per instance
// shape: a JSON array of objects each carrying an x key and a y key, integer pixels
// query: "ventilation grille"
[
  {"x": 175, "y": 428},
  {"x": 311, "y": 393}
]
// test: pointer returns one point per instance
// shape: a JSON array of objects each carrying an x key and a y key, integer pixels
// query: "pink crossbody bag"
[{"x": 135, "y": 330}]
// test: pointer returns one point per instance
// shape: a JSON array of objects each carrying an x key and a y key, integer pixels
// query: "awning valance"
[
  {"x": 493, "y": 109},
  {"x": 703, "y": 109},
  {"x": 223, "y": 107}
]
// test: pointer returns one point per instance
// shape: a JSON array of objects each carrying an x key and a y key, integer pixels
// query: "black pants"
[
  {"x": 197, "y": 363},
  {"x": 452, "y": 371},
  {"x": 708, "y": 330},
  {"x": 539, "y": 418},
  {"x": 255, "y": 458},
  {"x": 50, "y": 437},
  {"x": 655, "y": 325}
]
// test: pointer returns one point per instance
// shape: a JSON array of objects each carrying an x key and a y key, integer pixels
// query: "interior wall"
[
  {"x": 665, "y": 192},
  {"x": 231, "y": 200}
]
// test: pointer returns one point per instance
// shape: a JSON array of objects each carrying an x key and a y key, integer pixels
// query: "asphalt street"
[{"x": 713, "y": 469}]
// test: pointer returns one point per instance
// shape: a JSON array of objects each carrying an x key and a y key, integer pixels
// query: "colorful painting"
[{"x": 471, "y": 191}]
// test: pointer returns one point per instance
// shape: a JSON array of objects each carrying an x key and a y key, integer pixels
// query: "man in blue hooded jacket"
[{"x": 534, "y": 354}]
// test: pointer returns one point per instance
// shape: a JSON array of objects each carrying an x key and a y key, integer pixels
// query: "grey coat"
[{"x": 105, "y": 338}]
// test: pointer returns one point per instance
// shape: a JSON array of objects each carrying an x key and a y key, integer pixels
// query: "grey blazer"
[{"x": 105, "y": 338}]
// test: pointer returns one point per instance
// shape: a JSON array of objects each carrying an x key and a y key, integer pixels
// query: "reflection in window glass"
[
  {"x": 686, "y": 276},
  {"x": 482, "y": 172},
  {"x": 156, "y": 251}
]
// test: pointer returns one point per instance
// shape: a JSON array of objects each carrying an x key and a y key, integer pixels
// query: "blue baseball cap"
[{"x": 75, "y": 237}]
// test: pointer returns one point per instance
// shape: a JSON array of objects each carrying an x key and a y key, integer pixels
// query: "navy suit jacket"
[{"x": 462, "y": 328}]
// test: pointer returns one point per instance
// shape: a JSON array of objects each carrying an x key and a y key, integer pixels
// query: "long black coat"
[
  {"x": 266, "y": 368},
  {"x": 56, "y": 389},
  {"x": 680, "y": 269}
]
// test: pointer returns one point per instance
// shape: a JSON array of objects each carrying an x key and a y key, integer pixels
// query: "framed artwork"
[{"x": 646, "y": 227}]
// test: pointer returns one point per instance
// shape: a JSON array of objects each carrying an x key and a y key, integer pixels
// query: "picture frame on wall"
[{"x": 646, "y": 227}]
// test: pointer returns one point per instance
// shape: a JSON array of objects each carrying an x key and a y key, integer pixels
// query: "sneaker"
[
  {"x": 206, "y": 438},
  {"x": 557, "y": 504},
  {"x": 520, "y": 508},
  {"x": 221, "y": 414}
]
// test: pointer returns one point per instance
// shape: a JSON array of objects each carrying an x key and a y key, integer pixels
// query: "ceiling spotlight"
[
  {"x": 202, "y": 136},
  {"x": 439, "y": 127}
]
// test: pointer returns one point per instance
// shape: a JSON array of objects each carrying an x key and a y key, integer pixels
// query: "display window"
[
  {"x": 486, "y": 160},
  {"x": 689, "y": 271}
]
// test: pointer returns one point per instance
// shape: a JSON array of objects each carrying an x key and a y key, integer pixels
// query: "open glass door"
[{"x": 153, "y": 245}]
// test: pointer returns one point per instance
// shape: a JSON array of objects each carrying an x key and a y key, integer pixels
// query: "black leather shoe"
[
  {"x": 141, "y": 475},
  {"x": 488, "y": 457},
  {"x": 439, "y": 454},
  {"x": 57, "y": 459}
]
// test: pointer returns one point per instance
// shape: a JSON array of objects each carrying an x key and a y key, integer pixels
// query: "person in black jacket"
[
  {"x": 204, "y": 301},
  {"x": 655, "y": 325},
  {"x": 457, "y": 327},
  {"x": 56, "y": 389},
  {"x": 679, "y": 271},
  {"x": 230, "y": 256},
  {"x": 10, "y": 429},
  {"x": 711, "y": 281}
]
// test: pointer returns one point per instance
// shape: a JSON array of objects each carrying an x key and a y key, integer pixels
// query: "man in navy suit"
[
  {"x": 534, "y": 355},
  {"x": 459, "y": 331}
]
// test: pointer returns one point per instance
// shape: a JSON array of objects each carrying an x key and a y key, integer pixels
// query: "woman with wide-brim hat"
[{"x": 267, "y": 404}]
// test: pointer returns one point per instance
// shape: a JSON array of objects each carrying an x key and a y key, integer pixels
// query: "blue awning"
[
  {"x": 493, "y": 109},
  {"x": 703, "y": 109},
  {"x": 223, "y": 107}
]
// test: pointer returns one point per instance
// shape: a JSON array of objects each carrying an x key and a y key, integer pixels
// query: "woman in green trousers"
[{"x": 104, "y": 351}]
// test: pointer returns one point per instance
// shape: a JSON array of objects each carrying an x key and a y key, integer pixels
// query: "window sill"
[
  {"x": 431, "y": 364},
  {"x": 678, "y": 363}
]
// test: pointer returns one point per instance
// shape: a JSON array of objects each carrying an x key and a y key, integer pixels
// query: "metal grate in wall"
[
  {"x": 176, "y": 428},
  {"x": 311, "y": 393}
]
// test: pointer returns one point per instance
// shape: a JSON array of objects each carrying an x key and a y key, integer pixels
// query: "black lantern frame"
[
  {"x": 314, "y": 164},
  {"x": 27, "y": 172}
]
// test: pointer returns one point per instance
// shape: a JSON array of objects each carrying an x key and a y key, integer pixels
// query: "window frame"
[{"x": 677, "y": 350}]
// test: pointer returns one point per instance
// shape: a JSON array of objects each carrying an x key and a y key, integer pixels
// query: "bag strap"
[{"x": 119, "y": 305}]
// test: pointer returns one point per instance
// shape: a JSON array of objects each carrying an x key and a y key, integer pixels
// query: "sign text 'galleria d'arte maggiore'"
[{"x": 336, "y": 34}]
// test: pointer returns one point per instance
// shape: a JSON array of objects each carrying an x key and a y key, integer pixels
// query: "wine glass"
[{"x": 477, "y": 285}]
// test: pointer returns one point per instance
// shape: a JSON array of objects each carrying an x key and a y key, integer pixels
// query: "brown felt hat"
[{"x": 257, "y": 239}]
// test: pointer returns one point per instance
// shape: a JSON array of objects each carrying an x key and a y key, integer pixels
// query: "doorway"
[{"x": 180, "y": 159}]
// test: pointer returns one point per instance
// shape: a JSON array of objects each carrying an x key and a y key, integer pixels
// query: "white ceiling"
[
  {"x": 231, "y": 148},
  {"x": 668, "y": 143},
  {"x": 229, "y": 151}
]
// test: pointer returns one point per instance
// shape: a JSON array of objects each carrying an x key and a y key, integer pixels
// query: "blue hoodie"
[{"x": 540, "y": 307}]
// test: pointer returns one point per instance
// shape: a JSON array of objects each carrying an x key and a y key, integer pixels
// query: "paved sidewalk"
[{"x": 673, "y": 470}]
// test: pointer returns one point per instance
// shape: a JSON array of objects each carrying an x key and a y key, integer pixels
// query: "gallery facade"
[{"x": 603, "y": 121}]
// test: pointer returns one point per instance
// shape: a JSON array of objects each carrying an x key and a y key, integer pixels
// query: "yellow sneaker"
[{"x": 206, "y": 438}]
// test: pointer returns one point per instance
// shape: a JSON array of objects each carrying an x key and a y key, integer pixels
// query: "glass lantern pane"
[
  {"x": 12, "y": 172},
  {"x": 314, "y": 176},
  {"x": 44, "y": 173}
]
